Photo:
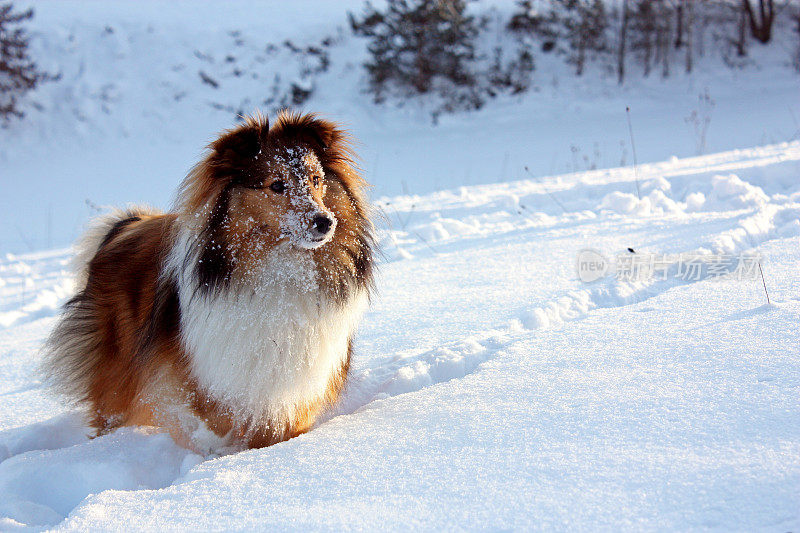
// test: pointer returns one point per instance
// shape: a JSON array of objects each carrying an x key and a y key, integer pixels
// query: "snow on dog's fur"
[{"x": 232, "y": 316}]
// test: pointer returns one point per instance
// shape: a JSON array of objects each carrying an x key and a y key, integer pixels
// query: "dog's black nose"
[{"x": 322, "y": 224}]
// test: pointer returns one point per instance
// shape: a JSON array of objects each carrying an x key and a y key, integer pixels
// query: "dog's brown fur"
[{"x": 118, "y": 348}]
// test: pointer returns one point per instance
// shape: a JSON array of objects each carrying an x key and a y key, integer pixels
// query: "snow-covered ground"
[{"x": 491, "y": 389}]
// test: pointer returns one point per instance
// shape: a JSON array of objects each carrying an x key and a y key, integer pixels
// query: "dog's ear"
[
  {"x": 320, "y": 135},
  {"x": 238, "y": 147}
]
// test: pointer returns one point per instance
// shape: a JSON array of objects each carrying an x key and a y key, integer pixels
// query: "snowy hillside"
[
  {"x": 492, "y": 389},
  {"x": 146, "y": 85}
]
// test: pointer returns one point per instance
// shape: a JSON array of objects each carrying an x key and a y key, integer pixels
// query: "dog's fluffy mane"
[{"x": 168, "y": 316}]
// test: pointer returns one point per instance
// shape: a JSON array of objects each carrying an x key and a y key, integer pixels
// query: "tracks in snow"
[
  {"x": 746, "y": 215},
  {"x": 442, "y": 222}
]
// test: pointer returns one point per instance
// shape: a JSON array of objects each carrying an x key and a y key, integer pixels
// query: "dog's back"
[{"x": 98, "y": 353}]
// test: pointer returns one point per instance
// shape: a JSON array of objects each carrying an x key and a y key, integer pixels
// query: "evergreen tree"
[
  {"x": 18, "y": 73},
  {"x": 421, "y": 47},
  {"x": 584, "y": 24},
  {"x": 528, "y": 21}
]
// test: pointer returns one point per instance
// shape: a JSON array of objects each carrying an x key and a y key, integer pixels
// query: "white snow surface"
[{"x": 491, "y": 389}]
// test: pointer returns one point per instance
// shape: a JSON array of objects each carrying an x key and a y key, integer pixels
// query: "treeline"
[
  {"x": 433, "y": 47},
  {"x": 655, "y": 34},
  {"x": 460, "y": 53}
]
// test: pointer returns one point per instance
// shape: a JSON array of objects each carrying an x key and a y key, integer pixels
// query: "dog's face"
[
  {"x": 289, "y": 187},
  {"x": 271, "y": 188},
  {"x": 282, "y": 198}
]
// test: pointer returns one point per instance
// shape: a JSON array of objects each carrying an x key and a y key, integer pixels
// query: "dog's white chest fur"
[{"x": 267, "y": 351}]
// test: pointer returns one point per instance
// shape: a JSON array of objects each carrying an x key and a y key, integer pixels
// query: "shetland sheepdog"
[{"x": 229, "y": 320}]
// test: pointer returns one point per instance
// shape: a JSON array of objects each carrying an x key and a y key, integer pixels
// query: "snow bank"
[
  {"x": 491, "y": 389},
  {"x": 41, "y": 487}
]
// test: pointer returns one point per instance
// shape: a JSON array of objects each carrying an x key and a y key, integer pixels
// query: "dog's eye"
[
  {"x": 278, "y": 186},
  {"x": 315, "y": 181}
]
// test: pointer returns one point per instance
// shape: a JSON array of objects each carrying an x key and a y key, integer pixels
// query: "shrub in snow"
[
  {"x": 577, "y": 26},
  {"x": 421, "y": 47},
  {"x": 583, "y": 24},
  {"x": 427, "y": 48},
  {"x": 513, "y": 76},
  {"x": 18, "y": 73},
  {"x": 528, "y": 20}
]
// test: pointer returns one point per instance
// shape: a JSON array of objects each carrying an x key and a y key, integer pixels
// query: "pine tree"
[
  {"x": 530, "y": 21},
  {"x": 421, "y": 47},
  {"x": 18, "y": 73},
  {"x": 584, "y": 25}
]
